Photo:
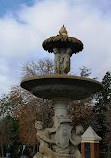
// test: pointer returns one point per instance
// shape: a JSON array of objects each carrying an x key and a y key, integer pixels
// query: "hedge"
[{"x": 105, "y": 155}]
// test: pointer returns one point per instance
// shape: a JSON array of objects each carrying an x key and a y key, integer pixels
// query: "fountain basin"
[{"x": 61, "y": 86}]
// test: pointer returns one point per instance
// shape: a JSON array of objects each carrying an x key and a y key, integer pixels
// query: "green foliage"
[
  {"x": 102, "y": 110},
  {"x": 8, "y": 126},
  {"x": 85, "y": 72},
  {"x": 12, "y": 127},
  {"x": 5, "y": 106},
  {"x": 105, "y": 155},
  {"x": 9, "y": 130},
  {"x": 106, "y": 93},
  {"x": 103, "y": 97}
]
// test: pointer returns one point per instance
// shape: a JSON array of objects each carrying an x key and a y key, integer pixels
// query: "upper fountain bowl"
[
  {"x": 63, "y": 41},
  {"x": 61, "y": 86}
]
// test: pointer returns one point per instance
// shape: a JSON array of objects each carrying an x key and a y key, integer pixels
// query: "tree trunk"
[{"x": 2, "y": 149}]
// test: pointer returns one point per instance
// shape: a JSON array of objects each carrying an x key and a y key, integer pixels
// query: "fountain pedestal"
[{"x": 60, "y": 107}]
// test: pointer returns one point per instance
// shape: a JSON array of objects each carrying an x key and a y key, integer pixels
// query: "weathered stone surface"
[
  {"x": 59, "y": 141},
  {"x": 61, "y": 41},
  {"x": 62, "y": 60},
  {"x": 63, "y": 47},
  {"x": 64, "y": 86}
]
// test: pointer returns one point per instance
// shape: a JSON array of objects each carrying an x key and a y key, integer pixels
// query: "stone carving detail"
[
  {"x": 45, "y": 141},
  {"x": 63, "y": 135},
  {"x": 58, "y": 142},
  {"x": 75, "y": 141},
  {"x": 62, "y": 60},
  {"x": 62, "y": 56},
  {"x": 63, "y": 47},
  {"x": 63, "y": 31}
]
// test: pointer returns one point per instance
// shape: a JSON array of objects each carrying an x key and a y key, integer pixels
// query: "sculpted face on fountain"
[
  {"x": 39, "y": 125},
  {"x": 79, "y": 130}
]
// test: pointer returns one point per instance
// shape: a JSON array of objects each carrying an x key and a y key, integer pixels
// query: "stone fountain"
[{"x": 61, "y": 140}]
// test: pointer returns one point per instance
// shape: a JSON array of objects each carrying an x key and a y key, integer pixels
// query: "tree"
[
  {"x": 9, "y": 130},
  {"x": 5, "y": 106},
  {"x": 29, "y": 109},
  {"x": 41, "y": 67},
  {"x": 107, "y": 121},
  {"x": 102, "y": 110},
  {"x": 7, "y": 123},
  {"x": 4, "y": 111},
  {"x": 85, "y": 72},
  {"x": 80, "y": 110}
]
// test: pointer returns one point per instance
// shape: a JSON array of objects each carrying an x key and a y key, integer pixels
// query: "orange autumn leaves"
[
  {"x": 80, "y": 111},
  {"x": 28, "y": 110}
]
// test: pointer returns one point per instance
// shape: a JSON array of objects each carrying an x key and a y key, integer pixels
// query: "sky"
[{"x": 25, "y": 24}]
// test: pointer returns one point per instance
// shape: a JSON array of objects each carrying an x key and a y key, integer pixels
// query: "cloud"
[
  {"x": 16, "y": 39},
  {"x": 22, "y": 33},
  {"x": 5, "y": 79}
]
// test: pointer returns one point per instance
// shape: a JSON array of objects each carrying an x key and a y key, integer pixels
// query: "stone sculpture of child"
[
  {"x": 45, "y": 141},
  {"x": 62, "y": 60}
]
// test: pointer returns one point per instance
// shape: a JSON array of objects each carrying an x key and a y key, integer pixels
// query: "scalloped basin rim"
[{"x": 53, "y": 86}]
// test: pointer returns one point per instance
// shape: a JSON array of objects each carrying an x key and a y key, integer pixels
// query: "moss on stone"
[{"x": 60, "y": 41}]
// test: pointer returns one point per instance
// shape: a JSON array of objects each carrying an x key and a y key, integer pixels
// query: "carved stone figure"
[
  {"x": 56, "y": 60},
  {"x": 59, "y": 141},
  {"x": 67, "y": 60},
  {"x": 62, "y": 60},
  {"x": 63, "y": 47},
  {"x": 62, "y": 53},
  {"x": 45, "y": 141},
  {"x": 75, "y": 141},
  {"x": 63, "y": 135}
]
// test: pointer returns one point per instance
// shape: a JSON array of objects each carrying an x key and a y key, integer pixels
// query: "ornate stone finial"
[{"x": 63, "y": 31}]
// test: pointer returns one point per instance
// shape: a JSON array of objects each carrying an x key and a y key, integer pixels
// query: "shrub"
[{"x": 105, "y": 155}]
